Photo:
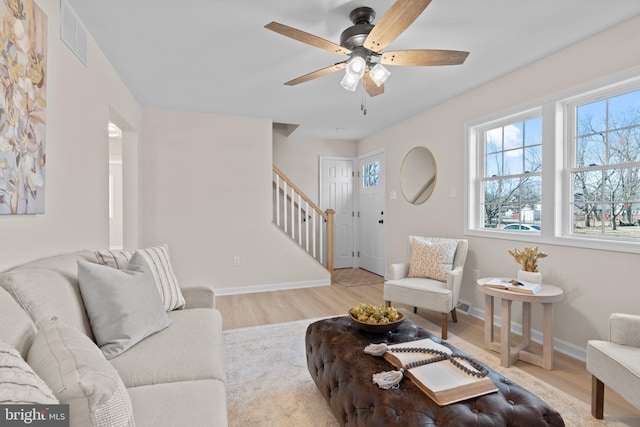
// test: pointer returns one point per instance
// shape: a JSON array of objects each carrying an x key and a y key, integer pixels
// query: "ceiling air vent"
[{"x": 72, "y": 32}]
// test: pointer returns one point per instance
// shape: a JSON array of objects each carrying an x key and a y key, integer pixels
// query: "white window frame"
[
  {"x": 556, "y": 157},
  {"x": 474, "y": 224},
  {"x": 568, "y": 107}
]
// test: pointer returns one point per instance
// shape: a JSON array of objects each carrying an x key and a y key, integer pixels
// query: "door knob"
[{"x": 381, "y": 221}]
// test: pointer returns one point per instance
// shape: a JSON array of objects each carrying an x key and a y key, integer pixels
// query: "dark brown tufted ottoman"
[{"x": 342, "y": 372}]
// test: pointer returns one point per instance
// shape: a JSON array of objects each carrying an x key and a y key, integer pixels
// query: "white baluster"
[
  {"x": 313, "y": 226},
  {"x": 293, "y": 214},
  {"x": 284, "y": 207},
  {"x": 306, "y": 217},
  {"x": 277, "y": 200},
  {"x": 299, "y": 220},
  {"x": 322, "y": 225}
]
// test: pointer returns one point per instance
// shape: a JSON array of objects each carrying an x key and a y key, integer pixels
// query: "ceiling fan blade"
[
  {"x": 394, "y": 22},
  {"x": 370, "y": 86},
  {"x": 307, "y": 38},
  {"x": 422, "y": 57},
  {"x": 318, "y": 73}
]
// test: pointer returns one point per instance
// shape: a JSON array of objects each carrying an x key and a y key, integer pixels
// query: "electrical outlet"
[
  {"x": 236, "y": 260},
  {"x": 476, "y": 274}
]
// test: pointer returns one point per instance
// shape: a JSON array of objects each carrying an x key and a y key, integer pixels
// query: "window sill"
[{"x": 601, "y": 244}]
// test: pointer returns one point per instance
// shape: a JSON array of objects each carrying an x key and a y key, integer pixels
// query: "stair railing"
[{"x": 304, "y": 222}]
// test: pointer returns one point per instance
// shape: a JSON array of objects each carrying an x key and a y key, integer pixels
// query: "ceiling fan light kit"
[
  {"x": 363, "y": 42},
  {"x": 350, "y": 82},
  {"x": 356, "y": 66},
  {"x": 379, "y": 74}
]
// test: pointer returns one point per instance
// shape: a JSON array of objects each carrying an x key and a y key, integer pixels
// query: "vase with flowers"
[{"x": 528, "y": 260}]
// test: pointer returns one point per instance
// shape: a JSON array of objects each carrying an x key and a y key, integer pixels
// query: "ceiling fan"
[{"x": 363, "y": 42}]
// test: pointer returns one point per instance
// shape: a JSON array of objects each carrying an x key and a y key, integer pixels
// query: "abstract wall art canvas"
[{"x": 23, "y": 58}]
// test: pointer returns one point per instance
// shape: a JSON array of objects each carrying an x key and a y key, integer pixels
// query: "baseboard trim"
[
  {"x": 271, "y": 287},
  {"x": 559, "y": 345}
]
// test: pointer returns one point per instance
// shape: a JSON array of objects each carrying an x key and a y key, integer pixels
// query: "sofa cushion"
[
  {"x": 18, "y": 383},
  {"x": 431, "y": 258},
  {"x": 191, "y": 349},
  {"x": 76, "y": 370},
  {"x": 49, "y": 287},
  {"x": 184, "y": 403},
  {"x": 16, "y": 327},
  {"x": 123, "y": 305},
  {"x": 158, "y": 259}
]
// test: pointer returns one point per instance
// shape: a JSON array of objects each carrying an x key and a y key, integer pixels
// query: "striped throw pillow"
[
  {"x": 117, "y": 258},
  {"x": 158, "y": 259},
  {"x": 19, "y": 384}
]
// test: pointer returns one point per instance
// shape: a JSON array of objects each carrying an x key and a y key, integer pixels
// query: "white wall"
[
  {"x": 206, "y": 192},
  {"x": 595, "y": 282},
  {"x": 299, "y": 158},
  {"x": 76, "y": 203}
]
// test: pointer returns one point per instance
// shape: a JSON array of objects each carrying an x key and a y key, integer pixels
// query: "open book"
[
  {"x": 442, "y": 381},
  {"x": 514, "y": 286}
]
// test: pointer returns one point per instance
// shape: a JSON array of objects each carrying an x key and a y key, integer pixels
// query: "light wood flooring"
[{"x": 238, "y": 311}]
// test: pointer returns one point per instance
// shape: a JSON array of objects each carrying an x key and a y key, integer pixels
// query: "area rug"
[
  {"x": 355, "y": 277},
  {"x": 269, "y": 384}
]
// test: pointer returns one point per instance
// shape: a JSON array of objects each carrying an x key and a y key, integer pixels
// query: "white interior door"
[
  {"x": 337, "y": 194},
  {"x": 371, "y": 188}
]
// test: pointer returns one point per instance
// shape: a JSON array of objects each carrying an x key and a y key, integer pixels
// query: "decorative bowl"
[{"x": 377, "y": 328}]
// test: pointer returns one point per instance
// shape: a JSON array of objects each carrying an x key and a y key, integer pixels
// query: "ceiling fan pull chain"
[{"x": 363, "y": 104}]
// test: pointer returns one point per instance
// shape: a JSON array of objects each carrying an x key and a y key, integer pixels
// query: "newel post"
[{"x": 330, "y": 236}]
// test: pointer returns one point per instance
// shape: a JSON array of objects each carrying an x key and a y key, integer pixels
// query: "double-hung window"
[
  {"x": 509, "y": 174},
  {"x": 603, "y": 136}
]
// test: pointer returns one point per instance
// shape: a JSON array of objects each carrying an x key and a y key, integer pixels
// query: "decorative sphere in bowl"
[{"x": 375, "y": 319}]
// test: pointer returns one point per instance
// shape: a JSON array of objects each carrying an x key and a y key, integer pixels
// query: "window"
[
  {"x": 371, "y": 174},
  {"x": 603, "y": 168},
  {"x": 510, "y": 174},
  {"x": 582, "y": 189}
]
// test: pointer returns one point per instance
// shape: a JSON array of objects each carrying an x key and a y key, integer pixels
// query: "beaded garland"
[{"x": 480, "y": 371}]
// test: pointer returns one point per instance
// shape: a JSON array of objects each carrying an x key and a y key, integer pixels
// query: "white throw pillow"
[
  {"x": 123, "y": 305},
  {"x": 19, "y": 385},
  {"x": 158, "y": 259},
  {"x": 432, "y": 259},
  {"x": 75, "y": 368}
]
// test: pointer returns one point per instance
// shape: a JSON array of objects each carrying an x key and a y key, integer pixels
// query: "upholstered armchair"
[
  {"x": 431, "y": 279},
  {"x": 616, "y": 362}
]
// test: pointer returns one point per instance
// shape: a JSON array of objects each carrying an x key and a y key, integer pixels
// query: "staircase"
[{"x": 304, "y": 222}]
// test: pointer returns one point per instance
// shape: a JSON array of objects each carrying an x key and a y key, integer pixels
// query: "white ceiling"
[{"x": 216, "y": 56}]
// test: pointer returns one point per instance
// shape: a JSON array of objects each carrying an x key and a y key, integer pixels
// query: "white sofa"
[
  {"x": 174, "y": 377},
  {"x": 616, "y": 362}
]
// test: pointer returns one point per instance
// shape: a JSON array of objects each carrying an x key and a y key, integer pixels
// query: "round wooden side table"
[{"x": 508, "y": 354}]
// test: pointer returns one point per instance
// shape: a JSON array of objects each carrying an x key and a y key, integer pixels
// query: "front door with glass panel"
[{"x": 372, "y": 236}]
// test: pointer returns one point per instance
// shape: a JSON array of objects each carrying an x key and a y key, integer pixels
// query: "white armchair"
[
  {"x": 616, "y": 362},
  {"x": 426, "y": 293}
]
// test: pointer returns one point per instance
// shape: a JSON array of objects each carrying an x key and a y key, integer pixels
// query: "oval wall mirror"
[{"x": 418, "y": 175}]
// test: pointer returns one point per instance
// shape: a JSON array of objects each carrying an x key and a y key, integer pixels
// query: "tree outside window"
[
  {"x": 512, "y": 181},
  {"x": 605, "y": 174}
]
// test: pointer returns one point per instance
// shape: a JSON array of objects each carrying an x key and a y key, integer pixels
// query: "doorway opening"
[{"x": 116, "y": 205}]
